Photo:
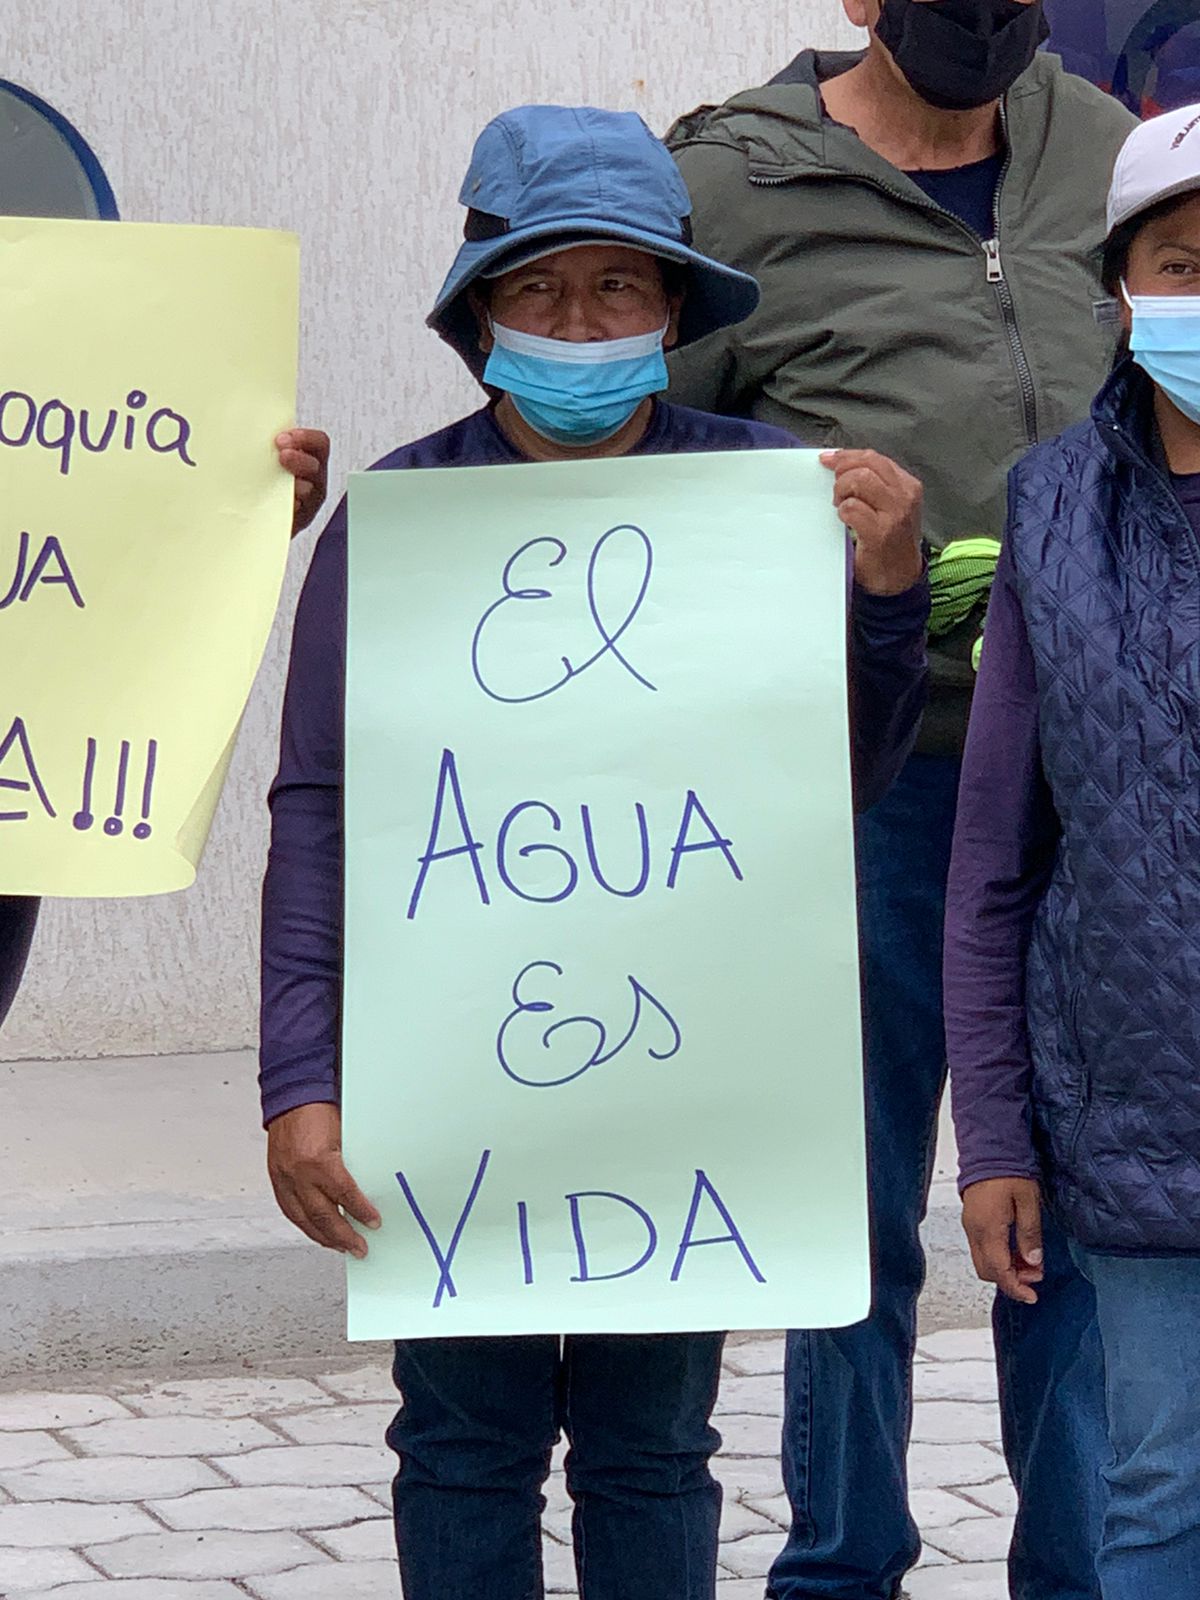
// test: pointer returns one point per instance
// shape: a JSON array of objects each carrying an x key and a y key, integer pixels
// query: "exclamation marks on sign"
[
  {"x": 114, "y": 825},
  {"x": 84, "y": 817},
  {"x": 143, "y": 829}
]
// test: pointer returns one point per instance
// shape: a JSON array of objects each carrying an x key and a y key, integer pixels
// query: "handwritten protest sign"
[
  {"x": 144, "y": 521},
  {"x": 602, "y": 1066}
]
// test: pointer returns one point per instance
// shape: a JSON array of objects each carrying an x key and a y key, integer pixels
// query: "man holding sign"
[
  {"x": 47, "y": 170},
  {"x": 576, "y": 274}
]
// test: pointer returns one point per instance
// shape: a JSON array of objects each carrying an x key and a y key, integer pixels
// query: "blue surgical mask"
[
  {"x": 576, "y": 394},
  {"x": 1166, "y": 344}
]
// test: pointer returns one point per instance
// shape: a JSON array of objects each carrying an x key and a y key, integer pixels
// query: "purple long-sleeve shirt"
[
  {"x": 302, "y": 894},
  {"x": 1005, "y": 841}
]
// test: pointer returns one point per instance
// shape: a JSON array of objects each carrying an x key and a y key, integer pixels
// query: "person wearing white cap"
[
  {"x": 924, "y": 216},
  {"x": 576, "y": 272},
  {"x": 1073, "y": 924}
]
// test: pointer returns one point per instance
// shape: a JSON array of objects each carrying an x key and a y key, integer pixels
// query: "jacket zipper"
[
  {"x": 1008, "y": 309},
  {"x": 1081, "y": 1120},
  {"x": 994, "y": 263}
]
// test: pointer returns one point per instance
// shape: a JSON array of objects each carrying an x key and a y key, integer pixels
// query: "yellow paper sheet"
[{"x": 144, "y": 522}]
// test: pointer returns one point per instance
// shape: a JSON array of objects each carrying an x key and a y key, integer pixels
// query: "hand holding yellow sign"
[{"x": 144, "y": 519}]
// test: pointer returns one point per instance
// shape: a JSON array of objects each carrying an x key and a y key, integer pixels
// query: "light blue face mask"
[
  {"x": 576, "y": 394},
  {"x": 1166, "y": 344}
]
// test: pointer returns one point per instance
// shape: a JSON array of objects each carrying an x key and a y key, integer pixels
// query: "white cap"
[{"x": 1160, "y": 159}]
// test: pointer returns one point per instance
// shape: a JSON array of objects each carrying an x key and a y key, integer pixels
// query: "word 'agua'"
[
  {"x": 54, "y": 426},
  {"x": 580, "y": 1206},
  {"x": 694, "y": 820}
]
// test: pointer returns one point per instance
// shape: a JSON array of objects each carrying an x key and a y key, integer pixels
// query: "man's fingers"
[
  {"x": 846, "y": 460},
  {"x": 840, "y": 461},
  {"x": 293, "y": 1209},
  {"x": 1002, "y": 1218},
  {"x": 300, "y": 464},
  {"x": 991, "y": 1254},
  {"x": 304, "y": 453},
  {"x": 330, "y": 1227},
  {"x": 311, "y": 1204},
  {"x": 1013, "y": 1287},
  {"x": 993, "y": 1260},
  {"x": 321, "y": 1197},
  {"x": 311, "y": 440},
  {"x": 311, "y": 1181},
  {"x": 864, "y": 485},
  {"x": 1029, "y": 1229},
  {"x": 353, "y": 1201},
  {"x": 314, "y": 440},
  {"x": 860, "y": 518}
]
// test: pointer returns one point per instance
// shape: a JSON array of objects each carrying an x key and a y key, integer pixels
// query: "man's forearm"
[
  {"x": 301, "y": 953},
  {"x": 888, "y": 680}
]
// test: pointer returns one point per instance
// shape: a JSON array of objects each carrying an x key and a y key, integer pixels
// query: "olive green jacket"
[{"x": 888, "y": 323}]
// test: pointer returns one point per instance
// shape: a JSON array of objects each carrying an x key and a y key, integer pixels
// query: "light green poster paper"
[{"x": 602, "y": 1060}]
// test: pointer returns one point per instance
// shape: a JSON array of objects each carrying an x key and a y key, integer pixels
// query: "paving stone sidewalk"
[{"x": 217, "y": 1488}]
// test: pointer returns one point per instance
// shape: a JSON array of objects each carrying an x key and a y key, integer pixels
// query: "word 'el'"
[
  {"x": 50, "y": 566},
  {"x": 53, "y": 426},
  {"x": 694, "y": 819},
  {"x": 552, "y": 552},
  {"x": 704, "y": 1196},
  {"x": 19, "y": 774}
]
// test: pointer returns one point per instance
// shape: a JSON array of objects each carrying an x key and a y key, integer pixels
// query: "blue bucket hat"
[{"x": 559, "y": 175}]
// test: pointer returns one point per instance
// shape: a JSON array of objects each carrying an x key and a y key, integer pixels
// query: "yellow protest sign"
[{"x": 144, "y": 521}]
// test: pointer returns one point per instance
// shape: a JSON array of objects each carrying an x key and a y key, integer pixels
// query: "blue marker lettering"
[
  {"x": 689, "y": 1242},
  {"x": 526, "y": 1248},
  {"x": 589, "y": 840},
  {"x": 17, "y": 735},
  {"x": 445, "y": 1260},
  {"x": 585, "y": 1273},
  {"x": 534, "y": 849},
  {"x": 715, "y": 841},
  {"x": 448, "y": 779}
]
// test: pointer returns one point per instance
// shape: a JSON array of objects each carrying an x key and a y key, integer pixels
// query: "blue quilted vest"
[{"x": 1108, "y": 573}]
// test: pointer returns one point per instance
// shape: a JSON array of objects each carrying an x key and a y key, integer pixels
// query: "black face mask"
[{"x": 961, "y": 54}]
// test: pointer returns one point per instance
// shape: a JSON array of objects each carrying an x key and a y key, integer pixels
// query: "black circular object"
[{"x": 47, "y": 167}]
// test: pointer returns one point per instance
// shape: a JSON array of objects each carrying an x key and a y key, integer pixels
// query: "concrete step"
[{"x": 137, "y": 1225}]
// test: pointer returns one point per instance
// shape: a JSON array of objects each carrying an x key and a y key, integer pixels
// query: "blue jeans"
[
  {"x": 849, "y": 1393},
  {"x": 1149, "y": 1312},
  {"x": 474, "y": 1437}
]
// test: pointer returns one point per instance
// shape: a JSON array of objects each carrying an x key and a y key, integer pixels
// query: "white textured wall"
[{"x": 349, "y": 121}]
